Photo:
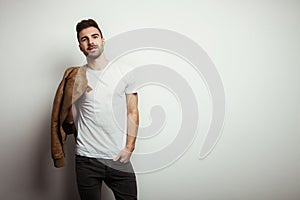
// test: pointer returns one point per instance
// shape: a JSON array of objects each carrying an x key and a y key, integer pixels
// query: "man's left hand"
[{"x": 123, "y": 156}]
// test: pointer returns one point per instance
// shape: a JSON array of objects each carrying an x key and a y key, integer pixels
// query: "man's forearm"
[
  {"x": 71, "y": 115},
  {"x": 132, "y": 129}
]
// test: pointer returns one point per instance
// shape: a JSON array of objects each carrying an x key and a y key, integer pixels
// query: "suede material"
[
  {"x": 59, "y": 162},
  {"x": 72, "y": 86}
]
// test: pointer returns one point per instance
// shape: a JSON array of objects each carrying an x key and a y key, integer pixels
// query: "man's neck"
[{"x": 98, "y": 63}]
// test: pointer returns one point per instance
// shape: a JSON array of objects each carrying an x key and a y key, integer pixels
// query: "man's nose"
[{"x": 91, "y": 42}]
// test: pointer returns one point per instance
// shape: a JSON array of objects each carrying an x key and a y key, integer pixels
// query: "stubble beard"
[{"x": 97, "y": 53}]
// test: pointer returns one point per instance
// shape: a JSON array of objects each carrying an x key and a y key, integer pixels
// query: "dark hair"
[{"x": 86, "y": 23}]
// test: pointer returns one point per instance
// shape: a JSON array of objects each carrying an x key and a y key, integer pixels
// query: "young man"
[{"x": 103, "y": 149}]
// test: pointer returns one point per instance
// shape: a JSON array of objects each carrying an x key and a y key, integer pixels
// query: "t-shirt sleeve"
[{"x": 131, "y": 83}]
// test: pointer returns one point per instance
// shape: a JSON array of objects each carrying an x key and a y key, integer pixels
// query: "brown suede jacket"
[{"x": 72, "y": 86}]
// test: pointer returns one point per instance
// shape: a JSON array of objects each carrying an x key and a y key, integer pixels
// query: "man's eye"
[{"x": 96, "y": 36}]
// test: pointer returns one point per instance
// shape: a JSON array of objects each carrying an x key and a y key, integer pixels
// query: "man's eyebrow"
[
  {"x": 95, "y": 34},
  {"x": 86, "y": 37}
]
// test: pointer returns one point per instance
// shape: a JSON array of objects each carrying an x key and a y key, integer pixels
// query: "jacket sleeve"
[{"x": 57, "y": 151}]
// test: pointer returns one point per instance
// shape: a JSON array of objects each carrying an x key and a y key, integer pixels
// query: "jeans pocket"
[{"x": 124, "y": 167}]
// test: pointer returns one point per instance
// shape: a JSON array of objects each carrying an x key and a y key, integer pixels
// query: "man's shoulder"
[{"x": 72, "y": 70}]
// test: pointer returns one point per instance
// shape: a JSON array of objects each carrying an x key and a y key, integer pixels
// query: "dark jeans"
[{"x": 119, "y": 177}]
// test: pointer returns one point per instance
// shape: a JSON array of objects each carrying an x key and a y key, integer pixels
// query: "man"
[{"x": 103, "y": 149}]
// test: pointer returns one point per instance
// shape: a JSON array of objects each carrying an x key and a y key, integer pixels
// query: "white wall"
[{"x": 255, "y": 46}]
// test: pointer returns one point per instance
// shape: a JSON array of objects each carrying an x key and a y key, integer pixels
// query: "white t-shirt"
[{"x": 101, "y": 122}]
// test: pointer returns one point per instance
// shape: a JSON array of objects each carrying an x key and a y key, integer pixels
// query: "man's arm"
[
  {"x": 132, "y": 120},
  {"x": 68, "y": 125},
  {"x": 132, "y": 127},
  {"x": 71, "y": 115}
]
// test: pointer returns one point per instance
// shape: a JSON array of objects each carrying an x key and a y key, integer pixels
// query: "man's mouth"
[{"x": 91, "y": 48}]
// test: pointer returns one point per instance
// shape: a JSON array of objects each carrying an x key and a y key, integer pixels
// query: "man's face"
[{"x": 90, "y": 42}]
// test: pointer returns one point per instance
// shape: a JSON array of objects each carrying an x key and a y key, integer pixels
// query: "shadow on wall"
[{"x": 49, "y": 182}]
